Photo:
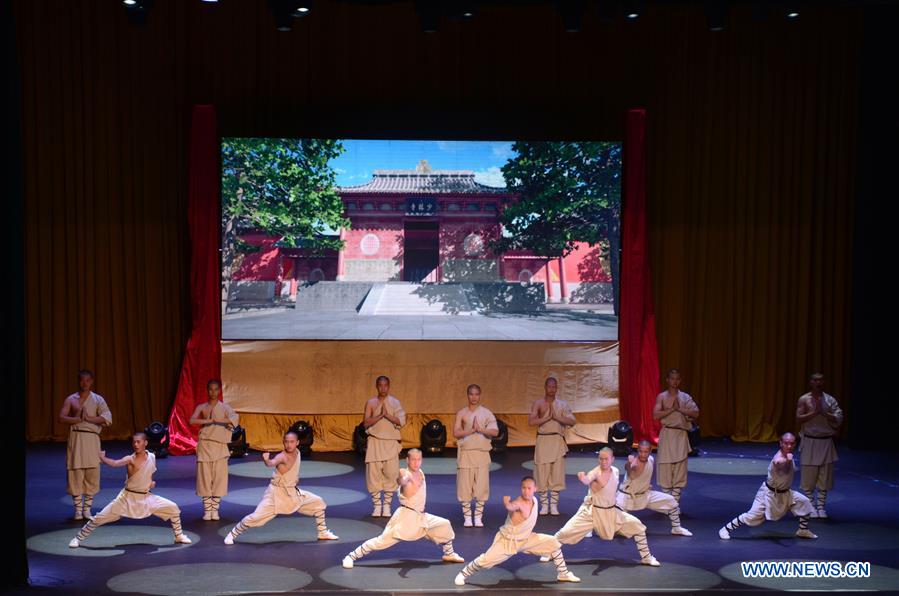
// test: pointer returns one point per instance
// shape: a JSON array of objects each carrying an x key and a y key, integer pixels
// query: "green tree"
[
  {"x": 569, "y": 192},
  {"x": 282, "y": 187}
]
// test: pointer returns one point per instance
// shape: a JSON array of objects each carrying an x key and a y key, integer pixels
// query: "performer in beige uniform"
[
  {"x": 552, "y": 417},
  {"x": 283, "y": 496},
  {"x": 475, "y": 426},
  {"x": 86, "y": 413},
  {"x": 600, "y": 512},
  {"x": 818, "y": 416},
  {"x": 676, "y": 410},
  {"x": 135, "y": 501},
  {"x": 383, "y": 418},
  {"x": 216, "y": 420},
  {"x": 517, "y": 536},
  {"x": 636, "y": 492},
  {"x": 410, "y": 522},
  {"x": 775, "y": 497}
]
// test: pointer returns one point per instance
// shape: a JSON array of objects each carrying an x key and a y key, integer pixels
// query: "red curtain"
[
  {"x": 203, "y": 356},
  {"x": 639, "y": 362}
]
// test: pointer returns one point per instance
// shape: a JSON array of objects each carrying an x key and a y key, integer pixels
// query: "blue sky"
[{"x": 362, "y": 157}]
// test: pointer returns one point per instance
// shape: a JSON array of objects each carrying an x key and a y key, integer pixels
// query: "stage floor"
[{"x": 283, "y": 556}]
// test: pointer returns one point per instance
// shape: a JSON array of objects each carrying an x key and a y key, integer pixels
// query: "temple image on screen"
[{"x": 333, "y": 239}]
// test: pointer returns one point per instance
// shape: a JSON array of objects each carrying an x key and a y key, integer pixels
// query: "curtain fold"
[{"x": 203, "y": 354}]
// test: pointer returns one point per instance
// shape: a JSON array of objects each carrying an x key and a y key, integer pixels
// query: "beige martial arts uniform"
[
  {"x": 772, "y": 501},
  {"x": 83, "y": 449},
  {"x": 601, "y": 514},
  {"x": 512, "y": 539},
  {"x": 212, "y": 452},
  {"x": 549, "y": 456},
  {"x": 817, "y": 451},
  {"x": 674, "y": 447},
  {"x": 284, "y": 497},
  {"x": 135, "y": 501},
  {"x": 409, "y": 523},
  {"x": 382, "y": 464},
  {"x": 636, "y": 493},
  {"x": 473, "y": 461}
]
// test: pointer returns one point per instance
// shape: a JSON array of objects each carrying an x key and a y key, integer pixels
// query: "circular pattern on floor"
[
  {"x": 744, "y": 494},
  {"x": 301, "y": 529},
  {"x": 882, "y": 578},
  {"x": 410, "y": 575},
  {"x": 308, "y": 469},
  {"x": 444, "y": 465},
  {"x": 611, "y": 575},
  {"x": 181, "y": 496},
  {"x": 729, "y": 466},
  {"x": 108, "y": 540},
  {"x": 831, "y": 535},
  {"x": 210, "y": 578},
  {"x": 575, "y": 464},
  {"x": 333, "y": 496}
]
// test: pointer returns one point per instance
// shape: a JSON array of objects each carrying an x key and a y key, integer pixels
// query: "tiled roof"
[{"x": 418, "y": 182}]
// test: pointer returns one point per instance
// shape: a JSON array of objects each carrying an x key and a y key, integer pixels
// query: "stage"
[{"x": 283, "y": 556}]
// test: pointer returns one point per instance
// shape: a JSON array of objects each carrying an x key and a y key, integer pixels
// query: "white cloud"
[{"x": 492, "y": 176}]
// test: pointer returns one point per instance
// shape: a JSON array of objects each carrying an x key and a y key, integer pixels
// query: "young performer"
[
  {"x": 410, "y": 522},
  {"x": 135, "y": 501},
  {"x": 475, "y": 426},
  {"x": 775, "y": 497},
  {"x": 517, "y": 536},
  {"x": 283, "y": 496},
  {"x": 216, "y": 420},
  {"x": 636, "y": 493}
]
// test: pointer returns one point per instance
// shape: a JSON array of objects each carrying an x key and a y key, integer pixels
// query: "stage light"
[
  {"x": 621, "y": 438},
  {"x": 238, "y": 446},
  {"x": 129, "y": 2},
  {"x": 572, "y": 13},
  {"x": 716, "y": 14},
  {"x": 695, "y": 437},
  {"x": 499, "y": 442},
  {"x": 433, "y": 437},
  {"x": 158, "y": 439},
  {"x": 302, "y": 8},
  {"x": 428, "y": 14},
  {"x": 632, "y": 10},
  {"x": 305, "y": 435},
  {"x": 792, "y": 12},
  {"x": 360, "y": 439}
]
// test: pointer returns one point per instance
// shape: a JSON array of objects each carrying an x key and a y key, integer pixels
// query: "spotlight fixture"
[
  {"x": 360, "y": 439},
  {"x": 716, "y": 14},
  {"x": 305, "y": 435},
  {"x": 621, "y": 438},
  {"x": 792, "y": 12},
  {"x": 499, "y": 442},
  {"x": 694, "y": 437},
  {"x": 572, "y": 13},
  {"x": 238, "y": 446},
  {"x": 129, "y": 2},
  {"x": 428, "y": 14},
  {"x": 632, "y": 9},
  {"x": 433, "y": 437},
  {"x": 301, "y": 8},
  {"x": 157, "y": 439}
]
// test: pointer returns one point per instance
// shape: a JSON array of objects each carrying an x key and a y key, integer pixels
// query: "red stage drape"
[
  {"x": 639, "y": 360},
  {"x": 203, "y": 356}
]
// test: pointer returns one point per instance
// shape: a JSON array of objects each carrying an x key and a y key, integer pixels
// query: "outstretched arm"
[{"x": 115, "y": 463}]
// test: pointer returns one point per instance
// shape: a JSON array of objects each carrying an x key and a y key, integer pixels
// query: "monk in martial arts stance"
[
  {"x": 86, "y": 413},
  {"x": 135, "y": 501},
  {"x": 216, "y": 421},
  {"x": 517, "y": 536},
  {"x": 775, "y": 497},
  {"x": 600, "y": 512},
  {"x": 383, "y": 418},
  {"x": 474, "y": 428},
  {"x": 410, "y": 522},
  {"x": 819, "y": 417},
  {"x": 283, "y": 496},
  {"x": 636, "y": 492},
  {"x": 676, "y": 411},
  {"x": 552, "y": 417}
]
